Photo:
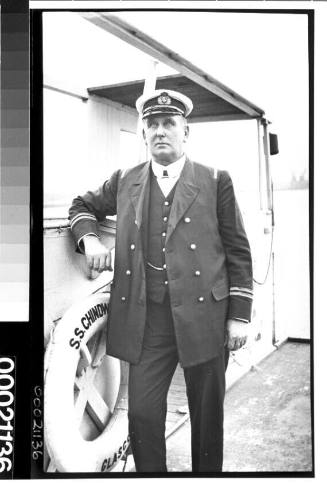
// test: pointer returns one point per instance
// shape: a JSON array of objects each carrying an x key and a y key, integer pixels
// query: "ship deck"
[{"x": 267, "y": 418}]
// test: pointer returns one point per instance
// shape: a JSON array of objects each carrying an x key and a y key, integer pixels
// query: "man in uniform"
[{"x": 182, "y": 289}]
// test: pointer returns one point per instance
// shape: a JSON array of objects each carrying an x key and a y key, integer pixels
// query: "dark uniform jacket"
[{"x": 205, "y": 234}]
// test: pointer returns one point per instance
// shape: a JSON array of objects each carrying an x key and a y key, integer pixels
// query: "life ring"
[{"x": 68, "y": 450}]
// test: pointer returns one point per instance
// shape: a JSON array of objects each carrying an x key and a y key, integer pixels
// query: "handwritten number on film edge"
[{"x": 37, "y": 442}]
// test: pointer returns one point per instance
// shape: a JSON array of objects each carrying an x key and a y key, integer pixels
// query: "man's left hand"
[{"x": 236, "y": 334}]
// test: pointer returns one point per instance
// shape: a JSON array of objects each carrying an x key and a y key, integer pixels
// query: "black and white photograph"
[{"x": 176, "y": 241}]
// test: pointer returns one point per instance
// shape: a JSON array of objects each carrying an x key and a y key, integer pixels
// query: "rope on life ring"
[{"x": 67, "y": 448}]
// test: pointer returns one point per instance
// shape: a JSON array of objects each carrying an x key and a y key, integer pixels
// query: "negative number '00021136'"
[{"x": 7, "y": 382}]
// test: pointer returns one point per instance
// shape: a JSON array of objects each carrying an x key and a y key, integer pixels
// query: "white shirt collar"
[{"x": 174, "y": 169}]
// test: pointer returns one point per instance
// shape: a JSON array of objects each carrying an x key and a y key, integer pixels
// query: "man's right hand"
[{"x": 98, "y": 256}]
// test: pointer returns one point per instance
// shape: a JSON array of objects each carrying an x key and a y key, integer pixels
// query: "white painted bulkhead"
[{"x": 91, "y": 134}]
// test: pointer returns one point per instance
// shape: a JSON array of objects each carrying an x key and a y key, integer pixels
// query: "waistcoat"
[{"x": 158, "y": 216}]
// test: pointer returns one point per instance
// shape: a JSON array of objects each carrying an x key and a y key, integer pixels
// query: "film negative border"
[
  {"x": 14, "y": 242},
  {"x": 15, "y": 216},
  {"x": 36, "y": 450}
]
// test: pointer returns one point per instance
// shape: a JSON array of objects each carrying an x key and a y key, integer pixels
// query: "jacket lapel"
[
  {"x": 138, "y": 193},
  {"x": 186, "y": 192}
]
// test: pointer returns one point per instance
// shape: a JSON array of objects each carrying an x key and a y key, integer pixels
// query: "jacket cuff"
[
  {"x": 80, "y": 248},
  {"x": 240, "y": 308},
  {"x": 84, "y": 226}
]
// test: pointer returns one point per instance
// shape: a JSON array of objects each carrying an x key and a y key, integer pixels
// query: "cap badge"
[{"x": 164, "y": 99}]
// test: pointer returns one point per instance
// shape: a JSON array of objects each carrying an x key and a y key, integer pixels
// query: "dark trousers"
[{"x": 149, "y": 382}]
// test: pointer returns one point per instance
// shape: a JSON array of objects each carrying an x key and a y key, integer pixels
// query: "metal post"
[
  {"x": 271, "y": 209},
  {"x": 274, "y": 337},
  {"x": 267, "y": 159},
  {"x": 149, "y": 85},
  {"x": 260, "y": 163}
]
